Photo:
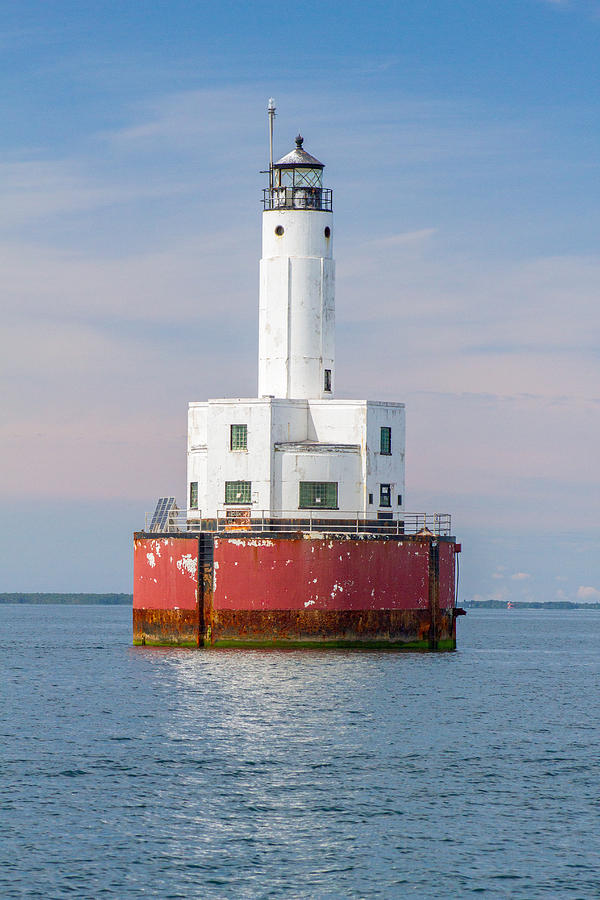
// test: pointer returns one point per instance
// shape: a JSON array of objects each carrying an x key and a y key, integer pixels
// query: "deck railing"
[
  {"x": 288, "y": 521},
  {"x": 299, "y": 197}
]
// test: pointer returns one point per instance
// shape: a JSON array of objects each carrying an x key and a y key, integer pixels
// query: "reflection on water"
[{"x": 299, "y": 773}]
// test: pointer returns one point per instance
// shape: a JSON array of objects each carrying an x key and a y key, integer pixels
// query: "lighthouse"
[
  {"x": 295, "y": 532},
  {"x": 296, "y": 447}
]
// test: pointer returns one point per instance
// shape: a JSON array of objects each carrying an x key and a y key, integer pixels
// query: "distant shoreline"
[
  {"x": 525, "y": 604},
  {"x": 127, "y": 600},
  {"x": 70, "y": 599}
]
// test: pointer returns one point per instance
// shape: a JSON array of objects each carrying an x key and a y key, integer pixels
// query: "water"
[{"x": 130, "y": 772}]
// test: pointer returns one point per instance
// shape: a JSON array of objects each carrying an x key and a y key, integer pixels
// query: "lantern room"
[{"x": 296, "y": 182}]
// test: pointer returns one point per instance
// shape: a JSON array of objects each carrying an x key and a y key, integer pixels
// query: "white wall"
[
  {"x": 344, "y": 467},
  {"x": 289, "y": 420},
  {"x": 341, "y": 421},
  {"x": 275, "y": 473},
  {"x": 381, "y": 469},
  {"x": 253, "y": 464},
  {"x": 197, "y": 413},
  {"x": 297, "y": 304},
  {"x": 197, "y": 454}
]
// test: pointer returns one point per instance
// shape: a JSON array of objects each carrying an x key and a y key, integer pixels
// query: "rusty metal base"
[
  {"x": 392, "y": 629},
  {"x": 363, "y": 629},
  {"x": 443, "y": 645},
  {"x": 166, "y": 627}
]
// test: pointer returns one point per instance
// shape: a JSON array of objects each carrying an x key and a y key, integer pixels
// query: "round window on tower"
[
  {"x": 327, "y": 231},
  {"x": 279, "y": 230}
]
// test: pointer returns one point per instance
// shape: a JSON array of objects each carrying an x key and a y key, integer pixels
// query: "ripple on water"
[{"x": 191, "y": 774}]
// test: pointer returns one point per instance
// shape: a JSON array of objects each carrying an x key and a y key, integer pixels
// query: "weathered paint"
[
  {"x": 297, "y": 304},
  {"x": 166, "y": 608},
  {"x": 296, "y": 440},
  {"x": 294, "y": 592},
  {"x": 165, "y": 573},
  {"x": 447, "y": 575},
  {"x": 321, "y": 574},
  {"x": 354, "y": 628}
]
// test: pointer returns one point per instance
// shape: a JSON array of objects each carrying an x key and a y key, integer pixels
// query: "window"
[
  {"x": 399, "y": 499},
  {"x": 327, "y": 385},
  {"x": 193, "y": 495},
  {"x": 318, "y": 495},
  {"x": 385, "y": 442},
  {"x": 238, "y": 491},
  {"x": 370, "y": 499},
  {"x": 385, "y": 495},
  {"x": 239, "y": 437}
]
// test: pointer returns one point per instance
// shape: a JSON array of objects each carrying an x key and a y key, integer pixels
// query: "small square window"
[
  {"x": 193, "y": 495},
  {"x": 385, "y": 495},
  {"x": 327, "y": 384},
  {"x": 385, "y": 442},
  {"x": 238, "y": 492},
  {"x": 239, "y": 437},
  {"x": 371, "y": 499}
]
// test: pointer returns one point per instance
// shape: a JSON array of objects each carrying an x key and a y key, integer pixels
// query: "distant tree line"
[
  {"x": 72, "y": 599},
  {"x": 528, "y": 604}
]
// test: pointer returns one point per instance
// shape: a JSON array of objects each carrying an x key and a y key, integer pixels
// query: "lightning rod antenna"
[{"x": 271, "y": 112}]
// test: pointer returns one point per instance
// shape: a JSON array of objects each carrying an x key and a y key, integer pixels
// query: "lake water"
[{"x": 133, "y": 772}]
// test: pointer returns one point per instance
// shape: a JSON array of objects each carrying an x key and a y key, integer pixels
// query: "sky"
[{"x": 461, "y": 140}]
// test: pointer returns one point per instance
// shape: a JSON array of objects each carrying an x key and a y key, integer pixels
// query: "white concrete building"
[{"x": 294, "y": 449}]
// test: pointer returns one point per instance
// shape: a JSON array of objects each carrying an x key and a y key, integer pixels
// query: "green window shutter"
[
  {"x": 318, "y": 495},
  {"x": 239, "y": 437},
  {"x": 385, "y": 447},
  {"x": 193, "y": 495},
  {"x": 238, "y": 492}
]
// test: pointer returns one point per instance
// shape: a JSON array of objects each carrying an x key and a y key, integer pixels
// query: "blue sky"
[{"x": 461, "y": 141}]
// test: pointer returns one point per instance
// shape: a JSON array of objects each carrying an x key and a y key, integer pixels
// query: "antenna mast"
[{"x": 271, "y": 112}]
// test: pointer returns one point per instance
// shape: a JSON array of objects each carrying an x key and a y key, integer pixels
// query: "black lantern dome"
[{"x": 298, "y": 168}]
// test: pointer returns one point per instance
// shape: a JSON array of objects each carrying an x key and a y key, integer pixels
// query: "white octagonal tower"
[{"x": 297, "y": 282}]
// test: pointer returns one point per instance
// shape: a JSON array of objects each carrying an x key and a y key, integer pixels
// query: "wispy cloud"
[
  {"x": 588, "y": 593},
  {"x": 406, "y": 237},
  {"x": 46, "y": 189}
]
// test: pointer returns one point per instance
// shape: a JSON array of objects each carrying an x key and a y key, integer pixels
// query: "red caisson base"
[{"x": 243, "y": 590}]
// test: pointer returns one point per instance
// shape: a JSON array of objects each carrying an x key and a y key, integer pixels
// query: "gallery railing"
[
  {"x": 298, "y": 198},
  {"x": 251, "y": 520}
]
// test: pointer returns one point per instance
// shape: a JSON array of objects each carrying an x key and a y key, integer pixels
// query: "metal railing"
[
  {"x": 298, "y": 198},
  {"x": 289, "y": 521}
]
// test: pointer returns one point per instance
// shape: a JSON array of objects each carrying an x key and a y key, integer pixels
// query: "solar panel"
[{"x": 160, "y": 518}]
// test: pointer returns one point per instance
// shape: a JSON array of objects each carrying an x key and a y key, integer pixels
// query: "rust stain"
[
  {"x": 166, "y": 626},
  {"x": 325, "y": 625}
]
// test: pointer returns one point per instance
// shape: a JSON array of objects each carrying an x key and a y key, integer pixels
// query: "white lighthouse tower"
[
  {"x": 297, "y": 282},
  {"x": 294, "y": 449}
]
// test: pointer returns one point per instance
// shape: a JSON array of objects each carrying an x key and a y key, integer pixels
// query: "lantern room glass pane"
[
  {"x": 298, "y": 177},
  {"x": 308, "y": 177}
]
